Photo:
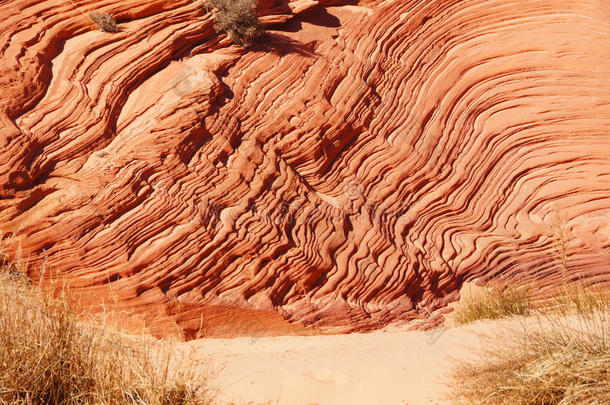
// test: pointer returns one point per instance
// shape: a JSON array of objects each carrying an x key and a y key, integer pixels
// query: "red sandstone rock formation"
[{"x": 353, "y": 169}]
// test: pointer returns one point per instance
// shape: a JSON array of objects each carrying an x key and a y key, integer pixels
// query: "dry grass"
[
  {"x": 565, "y": 360},
  {"x": 48, "y": 355},
  {"x": 576, "y": 298},
  {"x": 104, "y": 21},
  {"x": 496, "y": 301},
  {"x": 236, "y": 18},
  {"x": 504, "y": 299}
]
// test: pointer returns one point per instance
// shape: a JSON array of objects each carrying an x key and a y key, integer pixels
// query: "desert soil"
[{"x": 383, "y": 367}]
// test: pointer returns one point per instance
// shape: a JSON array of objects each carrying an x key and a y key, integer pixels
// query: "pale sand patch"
[
  {"x": 383, "y": 367},
  {"x": 391, "y": 366}
]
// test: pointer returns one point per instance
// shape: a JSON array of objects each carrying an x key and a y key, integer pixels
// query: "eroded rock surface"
[{"x": 353, "y": 169}]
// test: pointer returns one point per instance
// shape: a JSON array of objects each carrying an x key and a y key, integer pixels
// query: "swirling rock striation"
[{"x": 351, "y": 170}]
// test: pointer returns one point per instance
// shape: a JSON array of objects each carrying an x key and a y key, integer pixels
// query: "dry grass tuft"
[
  {"x": 565, "y": 360},
  {"x": 504, "y": 299},
  {"x": 496, "y": 301},
  {"x": 236, "y": 18},
  {"x": 47, "y": 355},
  {"x": 104, "y": 21},
  {"x": 576, "y": 298}
]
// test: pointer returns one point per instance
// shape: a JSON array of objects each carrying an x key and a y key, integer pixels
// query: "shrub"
[
  {"x": 236, "y": 18},
  {"x": 48, "y": 355},
  {"x": 104, "y": 21}
]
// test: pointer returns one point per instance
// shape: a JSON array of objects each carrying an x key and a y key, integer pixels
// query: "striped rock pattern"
[{"x": 353, "y": 169}]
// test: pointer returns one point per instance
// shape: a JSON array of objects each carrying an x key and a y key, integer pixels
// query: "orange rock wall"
[{"x": 353, "y": 169}]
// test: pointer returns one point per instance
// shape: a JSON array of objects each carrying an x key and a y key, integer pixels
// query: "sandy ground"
[
  {"x": 383, "y": 367},
  {"x": 391, "y": 366}
]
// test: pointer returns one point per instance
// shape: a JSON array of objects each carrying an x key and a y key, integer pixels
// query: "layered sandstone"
[{"x": 353, "y": 169}]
